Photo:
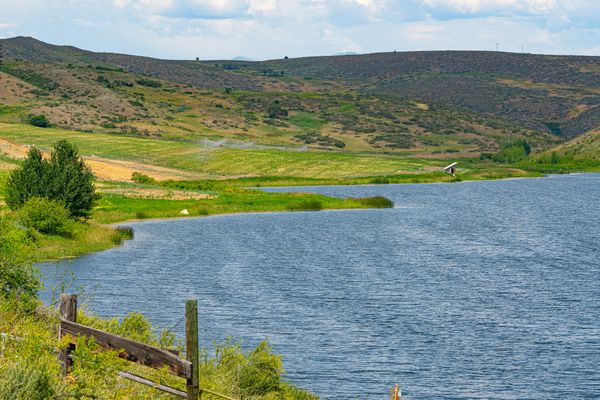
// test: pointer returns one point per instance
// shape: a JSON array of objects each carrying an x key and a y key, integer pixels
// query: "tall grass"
[
  {"x": 375, "y": 202},
  {"x": 305, "y": 205}
]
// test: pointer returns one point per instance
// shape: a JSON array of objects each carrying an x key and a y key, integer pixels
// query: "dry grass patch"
[{"x": 157, "y": 194}]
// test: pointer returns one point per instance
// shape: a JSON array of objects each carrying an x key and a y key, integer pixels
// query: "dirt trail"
[{"x": 104, "y": 168}]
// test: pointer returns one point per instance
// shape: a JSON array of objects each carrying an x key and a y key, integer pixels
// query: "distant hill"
[
  {"x": 558, "y": 94},
  {"x": 433, "y": 104}
]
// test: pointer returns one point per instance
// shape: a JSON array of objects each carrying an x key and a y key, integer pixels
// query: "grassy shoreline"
[{"x": 101, "y": 232}]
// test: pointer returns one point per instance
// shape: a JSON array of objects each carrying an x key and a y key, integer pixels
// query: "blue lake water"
[{"x": 475, "y": 290}]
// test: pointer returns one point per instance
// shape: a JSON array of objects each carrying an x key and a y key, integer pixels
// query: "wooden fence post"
[
  {"x": 395, "y": 393},
  {"x": 191, "y": 347},
  {"x": 68, "y": 312}
]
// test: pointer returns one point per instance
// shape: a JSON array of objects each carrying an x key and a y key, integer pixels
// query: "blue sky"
[{"x": 265, "y": 29}]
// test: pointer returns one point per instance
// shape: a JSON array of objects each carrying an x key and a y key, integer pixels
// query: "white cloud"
[{"x": 274, "y": 28}]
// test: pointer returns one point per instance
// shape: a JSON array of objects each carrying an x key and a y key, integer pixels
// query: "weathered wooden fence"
[
  {"x": 144, "y": 354},
  {"x": 140, "y": 353}
]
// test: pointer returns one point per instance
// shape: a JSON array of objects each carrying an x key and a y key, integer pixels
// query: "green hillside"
[{"x": 581, "y": 153}]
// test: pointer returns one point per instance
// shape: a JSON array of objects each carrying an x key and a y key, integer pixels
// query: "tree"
[
  {"x": 513, "y": 151},
  {"x": 27, "y": 181},
  {"x": 64, "y": 178},
  {"x": 71, "y": 180}
]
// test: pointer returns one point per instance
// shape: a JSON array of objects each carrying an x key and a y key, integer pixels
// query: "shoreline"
[{"x": 115, "y": 240}]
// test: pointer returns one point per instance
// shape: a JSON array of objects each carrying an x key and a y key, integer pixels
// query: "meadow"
[{"x": 219, "y": 162}]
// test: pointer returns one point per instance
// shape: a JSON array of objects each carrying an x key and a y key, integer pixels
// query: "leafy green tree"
[
  {"x": 513, "y": 151},
  {"x": 64, "y": 178},
  {"x": 27, "y": 181},
  {"x": 70, "y": 180}
]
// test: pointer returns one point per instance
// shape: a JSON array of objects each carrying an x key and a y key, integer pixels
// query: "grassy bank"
[{"x": 30, "y": 370}]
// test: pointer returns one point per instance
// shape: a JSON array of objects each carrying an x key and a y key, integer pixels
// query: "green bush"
[
  {"x": 39, "y": 120},
  {"x": 149, "y": 83},
  {"x": 18, "y": 279},
  {"x": 276, "y": 111},
  {"x": 27, "y": 381},
  {"x": 46, "y": 216},
  {"x": 65, "y": 178},
  {"x": 143, "y": 179}
]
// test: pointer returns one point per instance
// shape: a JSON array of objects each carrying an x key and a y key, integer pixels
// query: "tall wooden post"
[
  {"x": 68, "y": 312},
  {"x": 395, "y": 393},
  {"x": 191, "y": 348}
]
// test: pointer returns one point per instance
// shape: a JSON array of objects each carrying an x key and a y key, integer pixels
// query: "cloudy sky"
[{"x": 265, "y": 29}]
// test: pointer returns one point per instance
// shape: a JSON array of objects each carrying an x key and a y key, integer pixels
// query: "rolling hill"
[{"x": 434, "y": 105}]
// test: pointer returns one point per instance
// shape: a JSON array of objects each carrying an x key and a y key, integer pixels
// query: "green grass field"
[{"x": 220, "y": 162}]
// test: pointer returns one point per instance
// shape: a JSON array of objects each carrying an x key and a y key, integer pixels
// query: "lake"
[{"x": 474, "y": 290}]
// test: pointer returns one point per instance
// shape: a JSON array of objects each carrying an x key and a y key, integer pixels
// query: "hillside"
[
  {"x": 288, "y": 105},
  {"x": 583, "y": 151},
  {"x": 555, "y": 94}
]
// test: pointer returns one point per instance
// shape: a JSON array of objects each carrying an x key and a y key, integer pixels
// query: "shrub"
[
  {"x": 276, "y": 111},
  {"x": 143, "y": 179},
  {"x": 18, "y": 279},
  {"x": 65, "y": 178},
  {"x": 39, "y": 120},
  {"x": 29, "y": 381},
  {"x": 251, "y": 375},
  {"x": 46, "y": 216},
  {"x": 149, "y": 83}
]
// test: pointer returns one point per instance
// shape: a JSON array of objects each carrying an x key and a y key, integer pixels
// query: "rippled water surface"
[{"x": 476, "y": 290}]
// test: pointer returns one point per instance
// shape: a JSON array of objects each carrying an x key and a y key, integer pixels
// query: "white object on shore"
[{"x": 184, "y": 212}]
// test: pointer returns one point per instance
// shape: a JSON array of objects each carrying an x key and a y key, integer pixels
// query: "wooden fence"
[
  {"x": 140, "y": 353},
  {"x": 144, "y": 354}
]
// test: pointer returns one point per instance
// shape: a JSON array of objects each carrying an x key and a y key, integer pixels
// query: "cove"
[{"x": 475, "y": 290}]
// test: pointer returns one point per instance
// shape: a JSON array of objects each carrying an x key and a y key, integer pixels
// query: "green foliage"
[
  {"x": 46, "y": 216},
  {"x": 28, "y": 181},
  {"x": 276, "y": 111},
  {"x": 244, "y": 375},
  {"x": 36, "y": 79},
  {"x": 18, "y": 279},
  {"x": 149, "y": 83},
  {"x": 65, "y": 178},
  {"x": 554, "y": 127},
  {"x": 513, "y": 151},
  {"x": 29, "y": 380},
  {"x": 322, "y": 140},
  {"x": 143, "y": 179}
]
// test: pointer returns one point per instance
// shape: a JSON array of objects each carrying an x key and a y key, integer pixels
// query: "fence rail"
[
  {"x": 138, "y": 352},
  {"x": 131, "y": 350}
]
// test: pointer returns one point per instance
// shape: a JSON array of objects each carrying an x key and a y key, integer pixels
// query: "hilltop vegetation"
[
  {"x": 581, "y": 153},
  {"x": 399, "y": 103}
]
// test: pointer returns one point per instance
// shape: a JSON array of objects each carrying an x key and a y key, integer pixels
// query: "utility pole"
[{"x": 497, "y": 44}]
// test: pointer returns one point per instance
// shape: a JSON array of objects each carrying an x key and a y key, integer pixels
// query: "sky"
[{"x": 271, "y": 29}]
